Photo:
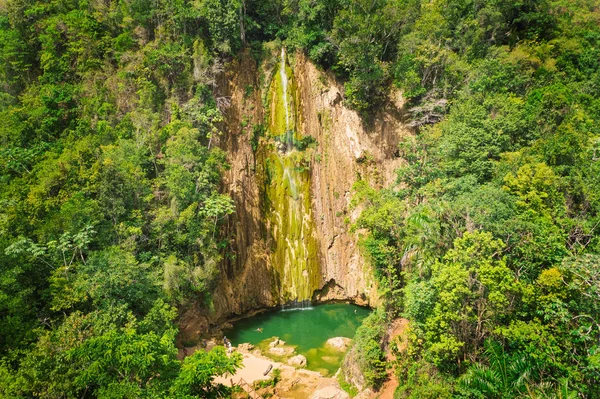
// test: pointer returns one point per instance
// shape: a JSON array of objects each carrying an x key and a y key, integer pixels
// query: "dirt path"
[
  {"x": 396, "y": 330},
  {"x": 388, "y": 389}
]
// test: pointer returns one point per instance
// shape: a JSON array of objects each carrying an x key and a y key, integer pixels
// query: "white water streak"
[{"x": 284, "y": 85}]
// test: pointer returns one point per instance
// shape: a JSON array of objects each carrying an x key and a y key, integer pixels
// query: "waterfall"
[
  {"x": 297, "y": 305},
  {"x": 289, "y": 178},
  {"x": 294, "y": 247},
  {"x": 284, "y": 86}
]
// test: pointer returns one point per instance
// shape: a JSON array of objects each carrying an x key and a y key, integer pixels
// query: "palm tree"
[
  {"x": 505, "y": 376},
  {"x": 510, "y": 376}
]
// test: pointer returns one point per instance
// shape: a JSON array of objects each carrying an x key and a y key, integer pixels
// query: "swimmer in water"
[{"x": 259, "y": 329}]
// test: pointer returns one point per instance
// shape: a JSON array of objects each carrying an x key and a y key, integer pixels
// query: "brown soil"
[{"x": 397, "y": 336}]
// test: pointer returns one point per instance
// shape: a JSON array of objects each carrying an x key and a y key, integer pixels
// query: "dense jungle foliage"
[
  {"x": 110, "y": 205},
  {"x": 489, "y": 241}
]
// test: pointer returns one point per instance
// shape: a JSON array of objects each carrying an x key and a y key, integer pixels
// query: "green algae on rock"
[{"x": 287, "y": 193}]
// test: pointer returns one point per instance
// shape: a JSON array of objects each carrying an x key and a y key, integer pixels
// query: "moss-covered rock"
[{"x": 287, "y": 194}]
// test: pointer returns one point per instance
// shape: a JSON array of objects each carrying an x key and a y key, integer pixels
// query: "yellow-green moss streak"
[{"x": 287, "y": 196}]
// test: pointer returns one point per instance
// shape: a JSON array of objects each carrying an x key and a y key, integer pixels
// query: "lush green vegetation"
[
  {"x": 488, "y": 243},
  {"x": 110, "y": 210}
]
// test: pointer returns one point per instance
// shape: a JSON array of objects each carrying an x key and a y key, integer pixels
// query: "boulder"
[
  {"x": 330, "y": 392},
  {"x": 339, "y": 343},
  {"x": 278, "y": 351},
  {"x": 276, "y": 342},
  {"x": 297, "y": 360}
]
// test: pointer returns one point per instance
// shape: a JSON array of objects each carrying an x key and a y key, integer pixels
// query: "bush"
[{"x": 367, "y": 353}]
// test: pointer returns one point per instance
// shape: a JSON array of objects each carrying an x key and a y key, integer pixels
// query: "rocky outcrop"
[
  {"x": 351, "y": 369},
  {"x": 394, "y": 340},
  {"x": 344, "y": 151},
  {"x": 367, "y": 394}
]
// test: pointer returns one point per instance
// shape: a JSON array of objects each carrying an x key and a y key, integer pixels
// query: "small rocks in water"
[
  {"x": 297, "y": 360},
  {"x": 245, "y": 347},
  {"x": 277, "y": 347},
  {"x": 276, "y": 342},
  {"x": 339, "y": 343},
  {"x": 330, "y": 392}
]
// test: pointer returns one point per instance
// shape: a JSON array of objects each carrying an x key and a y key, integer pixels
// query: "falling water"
[
  {"x": 284, "y": 86},
  {"x": 297, "y": 305},
  {"x": 289, "y": 179},
  {"x": 294, "y": 256}
]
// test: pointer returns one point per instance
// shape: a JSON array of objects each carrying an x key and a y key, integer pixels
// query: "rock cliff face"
[
  {"x": 297, "y": 165},
  {"x": 284, "y": 160}
]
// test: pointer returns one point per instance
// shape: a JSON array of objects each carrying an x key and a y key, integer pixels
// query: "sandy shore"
[{"x": 253, "y": 369}]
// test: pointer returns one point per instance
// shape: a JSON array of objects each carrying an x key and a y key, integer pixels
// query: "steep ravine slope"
[{"x": 343, "y": 151}]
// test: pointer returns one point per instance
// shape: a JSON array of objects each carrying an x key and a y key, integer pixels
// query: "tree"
[
  {"x": 474, "y": 292},
  {"x": 198, "y": 371},
  {"x": 505, "y": 376},
  {"x": 365, "y": 34},
  {"x": 367, "y": 351},
  {"x": 125, "y": 363}
]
